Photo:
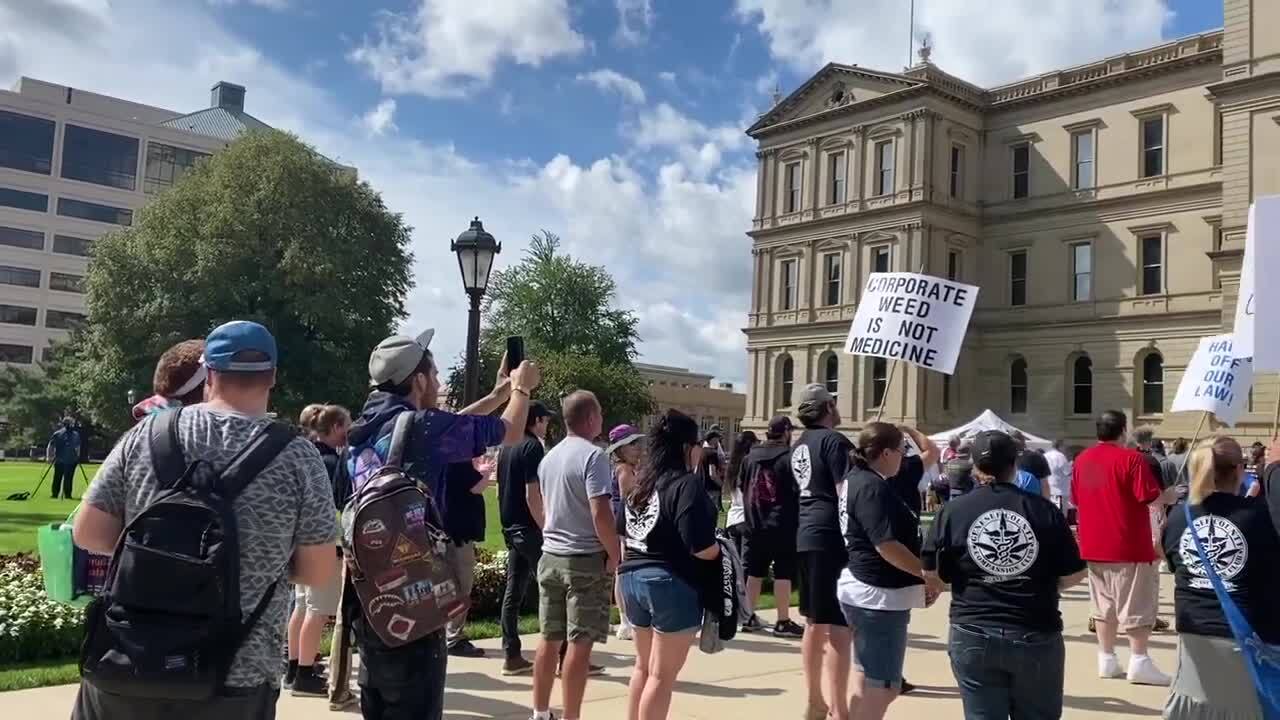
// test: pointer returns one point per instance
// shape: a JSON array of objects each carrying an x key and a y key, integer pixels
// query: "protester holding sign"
[{"x": 916, "y": 318}]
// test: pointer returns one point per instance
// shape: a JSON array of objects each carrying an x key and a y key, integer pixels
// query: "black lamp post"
[{"x": 475, "y": 248}]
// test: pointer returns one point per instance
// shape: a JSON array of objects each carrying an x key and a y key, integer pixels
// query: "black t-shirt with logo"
[
  {"x": 907, "y": 482},
  {"x": 677, "y": 520},
  {"x": 1003, "y": 551},
  {"x": 819, "y": 461},
  {"x": 1240, "y": 538},
  {"x": 875, "y": 513},
  {"x": 517, "y": 469}
]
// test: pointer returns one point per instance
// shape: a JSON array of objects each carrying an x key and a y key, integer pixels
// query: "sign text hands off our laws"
[{"x": 912, "y": 317}]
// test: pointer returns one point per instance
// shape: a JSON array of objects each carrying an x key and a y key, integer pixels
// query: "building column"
[
  {"x": 760, "y": 183},
  {"x": 858, "y": 166},
  {"x": 815, "y": 175}
]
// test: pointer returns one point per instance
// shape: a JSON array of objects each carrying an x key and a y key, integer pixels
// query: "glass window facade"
[
  {"x": 837, "y": 178},
  {"x": 790, "y": 284},
  {"x": 1082, "y": 148},
  {"x": 62, "y": 320},
  {"x": 788, "y": 380},
  {"x": 1153, "y": 146},
  {"x": 166, "y": 165},
  {"x": 793, "y": 187},
  {"x": 831, "y": 374},
  {"x": 879, "y": 380},
  {"x": 1082, "y": 386},
  {"x": 98, "y": 157},
  {"x": 1018, "y": 278},
  {"x": 17, "y": 315},
  {"x": 95, "y": 212},
  {"x": 20, "y": 354},
  {"x": 66, "y": 282},
  {"x": 23, "y": 200},
  {"x": 884, "y": 167},
  {"x": 1081, "y": 271},
  {"x": 1153, "y": 384},
  {"x": 67, "y": 245},
  {"x": 20, "y": 276},
  {"x": 26, "y": 143},
  {"x": 1018, "y": 386},
  {"x": 880, "y": 259},
  {"x": 1152, "y": 275},
  {"x": 19, "y": 238},
  {"x": 1021, "y": 170},
  {"x": 831, "y": 273}
]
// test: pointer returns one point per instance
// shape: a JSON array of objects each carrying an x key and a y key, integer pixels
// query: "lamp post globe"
[
  {"x": 475, "y": 249},
  {"x": 131, "y": 397}
]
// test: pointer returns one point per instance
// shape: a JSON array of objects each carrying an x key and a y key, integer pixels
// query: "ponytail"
[
  {"x": 667, "y": 441},
  {"x": 876, "y": 439},
  {"x": 1214, "y": 466}
]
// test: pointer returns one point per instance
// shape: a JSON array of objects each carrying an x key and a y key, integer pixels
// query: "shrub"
[{"x": 31, "y": 625}]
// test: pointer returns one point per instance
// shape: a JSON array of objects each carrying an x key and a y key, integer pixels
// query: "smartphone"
[{"x": 515, "y": 352}]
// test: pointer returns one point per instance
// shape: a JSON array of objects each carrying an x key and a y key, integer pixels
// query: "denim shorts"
[
  {"x": 879, "y": 643},
  {"x": 655, "y": 598}
]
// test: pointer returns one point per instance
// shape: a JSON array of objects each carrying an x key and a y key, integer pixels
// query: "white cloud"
[
  {"x": 607, "y": 80},
  {"x": 663, "y": 126},
  {"x": 268, "y": 4},
  {"x": 667, "y": 77},
  {"x": 1024, "y": 38},
  {"x": 381, "y": 118},
  {"x": 635, "y": 20},
  {"x": 444, "y": 48},
  {"x": 675, "y": 236}
]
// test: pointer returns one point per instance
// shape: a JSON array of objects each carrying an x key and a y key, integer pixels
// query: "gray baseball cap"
[
  {"x": 815, "y": 393},
  {"x": 395, "y": 358}
]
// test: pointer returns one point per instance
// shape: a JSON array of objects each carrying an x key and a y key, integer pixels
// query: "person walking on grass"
[
  {"x": 579, "y": 556},
  {"x": 1007, "y": 555},
  {"x": 771, "y": 502},
  {"x": 819, "y": 462},
  {"x": 669, "y": 528},
  {"x": 1113, "y": 487}
]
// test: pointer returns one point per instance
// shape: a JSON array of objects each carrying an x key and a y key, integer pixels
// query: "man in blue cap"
[
  {"x": 287, "y": 529},
  {"x": 408, "y": 681}
]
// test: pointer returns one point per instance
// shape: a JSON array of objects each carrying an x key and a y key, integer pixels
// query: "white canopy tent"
[{"x": 987, "y": 420}]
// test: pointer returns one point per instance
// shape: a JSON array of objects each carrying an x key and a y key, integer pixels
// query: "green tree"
[
  {"x": 563, "y": 308},
  {"x": 266, "y": 230},
  {"x": 33, "y": 401}
]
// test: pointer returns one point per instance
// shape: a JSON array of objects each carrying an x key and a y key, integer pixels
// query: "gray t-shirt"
[
  {"x": 289, "y": 504},
  {"x": 570, "y": 475}
]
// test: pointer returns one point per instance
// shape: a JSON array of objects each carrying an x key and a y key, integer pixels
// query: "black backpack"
[{"x": 168, "y": 622}]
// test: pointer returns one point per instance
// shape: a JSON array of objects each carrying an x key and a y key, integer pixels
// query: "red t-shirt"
[{"x": 1112, "y": 486}]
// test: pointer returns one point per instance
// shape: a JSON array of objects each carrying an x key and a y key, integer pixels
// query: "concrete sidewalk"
[{"x": 757, "y": 677}]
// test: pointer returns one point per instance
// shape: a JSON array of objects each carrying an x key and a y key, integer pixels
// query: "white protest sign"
[
  {"x": 1243, "y": 331},
  {"x": 916, "y": 318},
  {"x": 1263, "y": 239},
  {"x": 1216, "y": 380}
]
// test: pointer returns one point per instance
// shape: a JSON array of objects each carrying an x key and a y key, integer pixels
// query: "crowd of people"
[{"x": 632, "y": 519}]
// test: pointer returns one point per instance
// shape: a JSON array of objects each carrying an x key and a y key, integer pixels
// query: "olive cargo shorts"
[{"x": 574, "y": 597}]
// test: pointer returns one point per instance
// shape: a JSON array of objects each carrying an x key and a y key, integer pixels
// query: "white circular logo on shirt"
[
  {"x": 1002, "y": 543},
  {"x": 1225, "y": 546},
  {"x": 802, "y": 468},
  {"x": 641, "y": 523}
]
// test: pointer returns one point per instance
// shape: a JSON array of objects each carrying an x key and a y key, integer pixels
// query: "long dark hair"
[
  {"x": 746, "y": 440},
  {"x": 667, "y": 441}
]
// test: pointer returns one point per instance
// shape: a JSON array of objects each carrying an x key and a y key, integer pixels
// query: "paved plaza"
[{"x": 758, "y": 677}]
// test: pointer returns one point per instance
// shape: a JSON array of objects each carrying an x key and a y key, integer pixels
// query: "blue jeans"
[
  {"x": 655, "y": 598},
  {"x": 1006, "y": 674},
  {"x": 879, "y": 644}
]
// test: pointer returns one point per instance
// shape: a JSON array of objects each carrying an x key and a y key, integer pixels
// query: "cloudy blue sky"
[{"x": 615, "y": 123}]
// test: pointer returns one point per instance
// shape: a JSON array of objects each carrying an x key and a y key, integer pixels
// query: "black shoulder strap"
[
  {"x": 261, "y": 449},
  {"x": 166, "y": 452}
]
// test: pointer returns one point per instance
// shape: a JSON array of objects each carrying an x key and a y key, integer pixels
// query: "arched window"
[
  {"x": 787, "y": 376},
  {"x": 1082, "y": 386},
  {"x": 1152, "y": 384},
  {"x": 879, "y": 380},
  {"x": 1018, "y": 386},
  {"x": 831, "y": 374}
]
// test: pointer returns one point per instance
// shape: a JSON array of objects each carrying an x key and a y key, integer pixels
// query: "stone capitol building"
[{"x": 1101, "y": 209}]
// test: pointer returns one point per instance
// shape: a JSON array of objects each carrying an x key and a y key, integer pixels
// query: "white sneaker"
[
  {"x": 1109, "y": 667},
  {"x": 624, "y": 632},
  {"x": 1143, "y": 671}
]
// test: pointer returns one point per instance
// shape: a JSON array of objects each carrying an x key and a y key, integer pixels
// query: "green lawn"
[{"x": 19, "y": 520}]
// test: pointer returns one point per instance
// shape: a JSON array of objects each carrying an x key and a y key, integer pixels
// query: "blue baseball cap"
[{"x": 238, "y": 336}]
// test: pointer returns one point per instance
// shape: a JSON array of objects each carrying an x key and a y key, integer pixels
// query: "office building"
[
  {"x": 693, "y": 394},
  {"x": 75, "y": 165}
]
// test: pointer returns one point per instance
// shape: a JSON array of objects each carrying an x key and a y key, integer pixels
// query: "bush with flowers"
[{"x": 32, "y": 626}]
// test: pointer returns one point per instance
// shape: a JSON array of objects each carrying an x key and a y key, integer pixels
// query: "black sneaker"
[
  {"x": 592, "y": 670},
  {"x": 516, "y": 666},
  {"x": 309, "y": 684},
  {"x": 290, "y": 673},
  {"x": 753, "y": 625},
  {"x": 787, "y": 628},
  {"x": 1161, "y": 625},
  {"x": 465, "y": 649}
]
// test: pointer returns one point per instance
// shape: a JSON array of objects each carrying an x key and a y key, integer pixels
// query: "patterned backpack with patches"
[{"x": 396, "y": 550}]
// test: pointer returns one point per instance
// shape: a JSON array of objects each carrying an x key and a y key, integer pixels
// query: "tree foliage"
[
  {"x": 563, "y": 308},
  {"x": 33, "y": 401},
  {"x": 266, "y": 230}
]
